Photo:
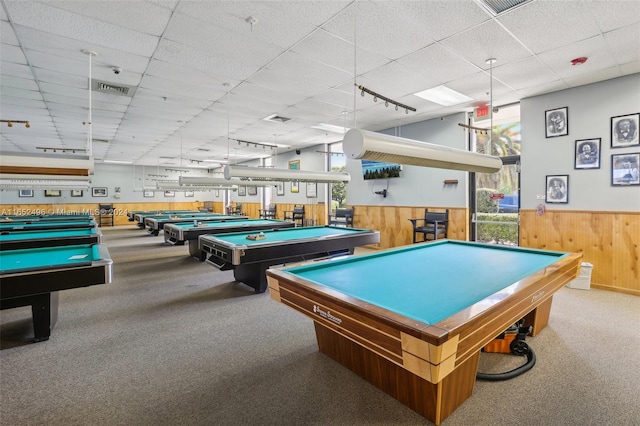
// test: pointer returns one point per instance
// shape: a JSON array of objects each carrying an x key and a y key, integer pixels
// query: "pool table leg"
[
  {"x": 44, "y": 312},
  {"x": 539, "y": 317},
  {"x": 194, "y": 250}
]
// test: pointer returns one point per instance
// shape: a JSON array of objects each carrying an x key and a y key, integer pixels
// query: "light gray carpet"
[{"x": 173, "y": 341}]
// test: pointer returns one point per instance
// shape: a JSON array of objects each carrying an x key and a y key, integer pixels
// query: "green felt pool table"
[
  {"x": 49, "y": 238},
  {"x": 156, "y": 223},
  {"x": 178, "y": 233},
  {"x": 42, "y": 225},
  {"x": 249, "y": 259},
  {"x": 34, "y": 276},
  {"x": 413, "y": 320}
]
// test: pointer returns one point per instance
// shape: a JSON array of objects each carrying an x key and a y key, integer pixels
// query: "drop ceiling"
[{"x": 202, "y": 76}]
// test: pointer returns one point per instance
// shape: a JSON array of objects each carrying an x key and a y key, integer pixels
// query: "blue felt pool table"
[
  {"x": 249, "y": 258},
  {"x": 156, "y": 223},
  {"x": 14, "y": 240},
  {"x": 32, "y": 277},
  {"x": 178, "y": 233},
  {"x": 413, "y": 320}
]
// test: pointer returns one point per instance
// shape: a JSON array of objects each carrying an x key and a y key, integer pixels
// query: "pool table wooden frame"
[
  {"x": 177, "y": 235},
  {"x": 39, "y": 288},
  {"x": 430, "y": 368},
  {"x": 50, "y": 240}
]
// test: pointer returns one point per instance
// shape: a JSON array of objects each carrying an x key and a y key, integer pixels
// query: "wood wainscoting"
[{"x": 610, "y": 241}]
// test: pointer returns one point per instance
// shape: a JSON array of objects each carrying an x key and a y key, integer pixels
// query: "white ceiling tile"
[
  {"x": 595, "y": 49},
  {"x": 437, "y": 65},
  {"x": 7, "y": 35},
  {"x": 300, "y": 66},
  {"x": 12, "y": 53},
  {"x": 17, "y": 83},
  {"x": 612, "y": 14},
  {"x": 623, "y": 43}
]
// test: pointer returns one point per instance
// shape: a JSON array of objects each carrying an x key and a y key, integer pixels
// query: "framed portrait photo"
[
  {"x": 242, "y": 191},
  {"x": 188, "y": 193},
  {"x": 280, "y": 188},
  {"x": 147, "y": 194},
  {"x": 252, "y": 190},
  {"x": 557, "y": 189},
  {"x": 52, "y": 193},
  {"x": 624, "y": 169},
  {"x": 25, "y": 193},
  {"x": 76, "y": 192},
  {"x": 99, "y": 192},
  {"x": 587, "y": 154},
  {"x": 556, "y": 122},
  {"x": 169, "y": 193},
  {"x": 295, "y": 187},
  {"x": 217, "y": 193},
  {"x": 624, "y": 130},
  {"x": 312, "y": 190}
]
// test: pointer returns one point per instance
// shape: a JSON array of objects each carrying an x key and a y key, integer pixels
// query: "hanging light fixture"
[
  {"x": 205, "y": 180},
  {"x": 363, "y": 144},
  {"x": 283, "y": 175}
]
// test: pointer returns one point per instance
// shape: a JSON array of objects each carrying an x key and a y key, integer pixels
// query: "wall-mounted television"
[{"x": 380, "y": 170}]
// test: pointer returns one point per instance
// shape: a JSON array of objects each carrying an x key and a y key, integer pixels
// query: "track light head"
[{"x": 9, "y": 124}]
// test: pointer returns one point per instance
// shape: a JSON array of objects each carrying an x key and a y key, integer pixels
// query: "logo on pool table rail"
[
  {"x": 537, "y": 296},
  {"x": 326, "y": 314}
]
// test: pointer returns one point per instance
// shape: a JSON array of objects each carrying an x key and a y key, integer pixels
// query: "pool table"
[
  {"x": 14, "y": 240},
  {"x": 156, "y": 223},
  {"x": 250, "y": 259},
  {"x": 45, "y": 217},
  {"x": 34, "y": 276},
  {"x": 413, "y": 320},
  {"x": 178, "y": 233},
  {"x": 140, "y": 216},
  {"x": 43, "y": 225}
]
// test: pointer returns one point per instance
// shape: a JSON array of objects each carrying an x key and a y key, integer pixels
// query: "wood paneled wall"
[{"x": 608, "y": 240}]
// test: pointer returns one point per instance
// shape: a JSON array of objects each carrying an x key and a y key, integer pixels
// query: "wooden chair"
[
  {"x": 342, "y": 217},
  {"x": 296, "y": 215},
  {"x": 432, "y": 227},
  {"x": 237, "y": 209},
  {"x": 268, "y": 213}
]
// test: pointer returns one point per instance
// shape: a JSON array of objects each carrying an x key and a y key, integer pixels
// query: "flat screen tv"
[{"x": 380, "y": 170}]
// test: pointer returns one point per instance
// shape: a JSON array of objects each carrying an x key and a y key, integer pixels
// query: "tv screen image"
[{"x": 380, "y": 170}]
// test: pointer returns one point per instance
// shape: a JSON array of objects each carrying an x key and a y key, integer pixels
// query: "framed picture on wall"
[
  {"x": 294, "y": 165},
  {"x": 217, "y": 193},
  {"x": 556, "y": 122},
  {"x": 242, "y": 191},
  {"x": 169, "y": 193},
  {"x": 624, "y": 130},
  {"x": 295, "y": 187},
  {"x": 587, "y": 154},
  {"x": 52, "y": 193},
  {"x": 280, "y": 188},
  {"x": 76, "y": 192},
  {"x": 312, "y": 190},
  {"x": 557, "y": 189},
  {"x": 188, "y": 193},
  {"x": 252, "y": 190},
  {"x": 99, "y": 192},
  {"x": 25, "y": 193},
  {"x": 624, "y": 169},
  {"x": 147, "y": 194}
]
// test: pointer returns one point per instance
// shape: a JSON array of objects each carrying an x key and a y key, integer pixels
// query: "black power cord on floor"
[{"x": 517, "y": 347}]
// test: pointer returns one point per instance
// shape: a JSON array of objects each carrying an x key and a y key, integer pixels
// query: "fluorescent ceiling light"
[
  {"x": 117, "y": 162},
  {"x": 442, "y": 95},
  {"x": 204, "y": 180},
  {"x": 282, "y": 175},
  {"x": 47, "y": 183},
  {"x": 331, "y": 128},
  {"x": 363, "y": 144}
]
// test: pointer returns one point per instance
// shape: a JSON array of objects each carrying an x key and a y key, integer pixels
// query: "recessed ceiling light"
[
  {"x": 331, "y": 128},
  {"x": 442, "y": 95}
]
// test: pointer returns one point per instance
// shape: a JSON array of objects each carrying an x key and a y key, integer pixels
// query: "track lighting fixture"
[
  {"x": 386, "y": 100},
  {"x": 10, "y": 122}
]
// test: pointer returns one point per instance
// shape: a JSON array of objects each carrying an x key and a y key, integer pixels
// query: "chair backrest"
[
  {"x": 298, "y": 211},
  {"x": 105, "y": 208},
  {"x": 431, "y": 217}
]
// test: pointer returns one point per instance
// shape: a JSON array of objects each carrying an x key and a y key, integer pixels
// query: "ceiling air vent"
[
  {"x": 114, "y": 89},
  {"x": 497, "y": 7},
  {"x": 277, "y": 118}
]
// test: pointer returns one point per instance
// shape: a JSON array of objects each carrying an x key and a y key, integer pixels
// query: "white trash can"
[{"x": 583, "y": 282}]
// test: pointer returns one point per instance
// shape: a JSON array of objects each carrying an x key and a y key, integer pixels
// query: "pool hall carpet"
[{"x": 173, "y": 341}]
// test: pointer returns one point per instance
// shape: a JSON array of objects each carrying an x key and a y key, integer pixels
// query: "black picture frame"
[
  {"x": 148, "y": 194},
  {"x": 280, "y": 188},
  {"x": 169, "y": 194},
  {"x": 52, "y": 193},
  {"x": 99, "y": 191},
  {"x": 587, "y": 154},
  {"x": 625, "y": 169},
  {"x": 556, "y": 122},
  {"x": 557, "y": 189},
  {"x": 25, "y": 193},
  {"x": 624, "y": 130},
  {"x": 76, "y": 192},
  {"x": 312, "y": 189},
  {"x": 252, "y": 190},
  {"x": 242, "y": 191}
]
